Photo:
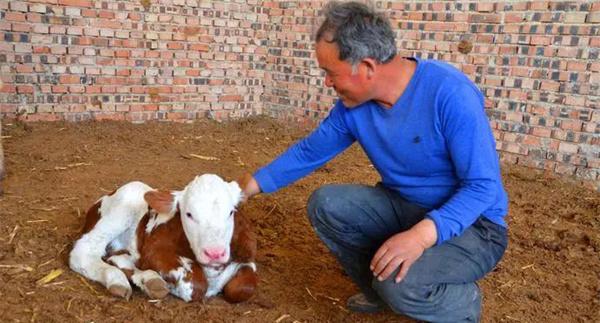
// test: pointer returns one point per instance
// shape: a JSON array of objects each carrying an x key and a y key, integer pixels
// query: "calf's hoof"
[
  {"x": 156, "y": 288},
  {"x": 120, "y": 291}
]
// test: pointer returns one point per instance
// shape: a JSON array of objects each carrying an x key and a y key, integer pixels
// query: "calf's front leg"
[
  {"x": 148, "y": 281},
  {"x": 183, "y": 276},
  {"x": 241, "y": 286}
]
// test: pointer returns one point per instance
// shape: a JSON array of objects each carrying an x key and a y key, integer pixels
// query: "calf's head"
[{"x": 207, "y": 206}]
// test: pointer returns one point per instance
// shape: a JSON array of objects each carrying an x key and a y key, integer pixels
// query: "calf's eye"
[{"x": 189, "y": 215}]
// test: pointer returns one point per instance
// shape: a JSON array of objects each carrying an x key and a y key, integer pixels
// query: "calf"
[{"x": 190, "y": 243}]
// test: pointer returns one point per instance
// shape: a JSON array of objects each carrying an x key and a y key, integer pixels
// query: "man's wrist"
[
  {"x": 248, "y": 185},
  {"x": 426, "y": 233}
]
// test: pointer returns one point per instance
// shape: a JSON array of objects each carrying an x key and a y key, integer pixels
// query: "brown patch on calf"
[
  {"x": 91, "y": 217},
  {"x": 242, "y": 286},
  {"x": 243, "y": 241},
  {"x": 160, "y": 201},
  {"x": 199, "y": 283},
  {"x": 243, "y": 249},
  {"x": 160, "y": 251}
]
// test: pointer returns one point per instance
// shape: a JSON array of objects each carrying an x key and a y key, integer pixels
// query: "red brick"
[
  {"x": 122, "y": 53},
  {"x": 538, "y": 5},
  {"x": 24, "y": 89},
  {"x": 541, "y": 40},
  {"x": 531, "y": 141},
  {"x": 88, "y": 13},
  {"x": 14, "y": 16},
  {"x": 8, "y": 88},
  {"x": 577, "y": 66},
  {"x": 76, "y": 89},
  {"x": 93, "y": 89},
  {"x": 550, "y": 86},
  {"x": 175, "y": 45},
  {"x": 24, "y": 68},
  {"x": 541, "y": 132},
  {"x": 512, "y": 17},
  {"x": 199, "y": 47},
  {"x": 77, "y": 3},
  {"x": 567, "y": 147},
  {"x": 106, "y": 14},
  {"x": 59, "y": 89},
  {"x": 570, "y": 52},
  {"x": 33, "y": 17},
  {"x": 575, "y": 125},
  {"x": 485, "y": 7},
  {"x": 69, "y": 79}
]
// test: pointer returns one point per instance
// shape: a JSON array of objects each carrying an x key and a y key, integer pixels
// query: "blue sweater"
[{"x": 434, "y": 147}]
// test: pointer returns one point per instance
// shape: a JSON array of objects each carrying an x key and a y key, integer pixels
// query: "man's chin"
[
  {"x": 352, "y": 105},
  {"x": 348, "y": 104}
]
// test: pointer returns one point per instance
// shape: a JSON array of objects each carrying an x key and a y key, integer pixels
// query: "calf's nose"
[{"x": 214, "y": 253}]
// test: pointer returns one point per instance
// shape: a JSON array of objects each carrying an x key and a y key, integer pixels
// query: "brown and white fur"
[{"x": 189, "y": 243}]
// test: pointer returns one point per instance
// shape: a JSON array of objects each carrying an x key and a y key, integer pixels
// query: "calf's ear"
[
  {"x": 235, "y": 191},
  {"x": 161, "y": 201}
]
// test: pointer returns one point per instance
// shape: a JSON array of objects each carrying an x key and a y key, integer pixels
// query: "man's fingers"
[
  {"x": 378, "y": 256},
  {"x": 390, "y": 268},
  {"x": 403, "y": 270},
  {"x": 380, "y": 263}
]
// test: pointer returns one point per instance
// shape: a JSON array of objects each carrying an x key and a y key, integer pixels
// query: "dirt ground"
[{"x": 550, "y": 273}]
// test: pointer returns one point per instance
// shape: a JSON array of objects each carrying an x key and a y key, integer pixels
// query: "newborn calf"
[{"x": 190, "y": 243}]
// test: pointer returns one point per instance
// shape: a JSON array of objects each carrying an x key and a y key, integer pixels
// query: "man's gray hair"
[{"x": 359, "y": 32}]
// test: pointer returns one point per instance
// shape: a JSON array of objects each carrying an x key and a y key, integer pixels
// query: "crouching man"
[{"x": 419, "y": 240}]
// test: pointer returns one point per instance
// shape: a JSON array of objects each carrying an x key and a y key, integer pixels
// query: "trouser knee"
[
  {"x": 433, "y": 303},
  {"x": 319, "y": 205},
  {"x": 401, "y": 297}
]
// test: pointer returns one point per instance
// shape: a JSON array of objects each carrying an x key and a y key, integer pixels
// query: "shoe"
[{"x": 359, "y": 303}]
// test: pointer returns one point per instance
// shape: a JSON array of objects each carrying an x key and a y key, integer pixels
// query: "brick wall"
[
  {"x": 133, "y": 60},
  {"x": 536, "y": 61}
]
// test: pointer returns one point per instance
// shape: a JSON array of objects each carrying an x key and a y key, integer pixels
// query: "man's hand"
[
  {"x": 403, "y": 249},
  {"x": 248, "y": 185}
]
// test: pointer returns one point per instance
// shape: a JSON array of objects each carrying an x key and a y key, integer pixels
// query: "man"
[{"x": 419, "y": 240}]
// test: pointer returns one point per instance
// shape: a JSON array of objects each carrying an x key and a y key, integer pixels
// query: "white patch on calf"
[
  {"x": 122, "y": 261},
  {"x": 157, "y": 219},
  {"x": 218, "y": 278},
  {"x": 118, "y": 214},
  {"x": 181, "y": 288}
]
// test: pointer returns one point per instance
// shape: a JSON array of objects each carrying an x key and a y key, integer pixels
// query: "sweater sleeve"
[
  {"x": 472, "y": 150},
  {"x": 329, "y": 139}
]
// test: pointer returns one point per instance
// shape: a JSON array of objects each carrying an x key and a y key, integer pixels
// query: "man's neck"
[{"x": 393, "y": 78}]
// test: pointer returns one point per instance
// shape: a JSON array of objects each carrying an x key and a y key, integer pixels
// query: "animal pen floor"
[{"x": 550, "y": 272}]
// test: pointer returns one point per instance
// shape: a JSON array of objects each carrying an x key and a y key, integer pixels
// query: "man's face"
[{"x": 352, "y": 88}]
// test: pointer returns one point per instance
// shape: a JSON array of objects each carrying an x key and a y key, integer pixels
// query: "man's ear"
[
  {"x": 371, "y": 67},
  {"x": 161, "y": 201},
  {"x": 235, "y": 191}
]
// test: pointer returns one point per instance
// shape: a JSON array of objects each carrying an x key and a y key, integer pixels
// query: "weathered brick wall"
[
  {"x": 133, "y": 60},
  {"x": 536, "y": 61}
]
